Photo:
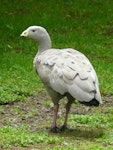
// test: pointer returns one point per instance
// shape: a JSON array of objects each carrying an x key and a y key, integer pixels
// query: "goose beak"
[{"x": 24, "y": 34}]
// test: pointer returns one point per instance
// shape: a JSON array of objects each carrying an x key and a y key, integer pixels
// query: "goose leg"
[
  {"x": 68, "y": 106},
  {"x": 54, "y": 126}
]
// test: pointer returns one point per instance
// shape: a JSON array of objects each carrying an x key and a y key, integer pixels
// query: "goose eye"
[{"x": 33, "y": 30}]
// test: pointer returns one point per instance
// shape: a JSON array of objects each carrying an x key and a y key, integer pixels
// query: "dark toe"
[
  {"x": 63, "y": 128},
  {"x": 54, "y": 130}
]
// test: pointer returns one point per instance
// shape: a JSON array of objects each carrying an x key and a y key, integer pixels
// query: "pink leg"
[
  {"x": 54, "y": 127},
  {"x": 68, "y": 106}
]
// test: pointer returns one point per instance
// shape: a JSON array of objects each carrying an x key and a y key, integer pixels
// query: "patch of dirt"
[{"x": 37, "y": 112}]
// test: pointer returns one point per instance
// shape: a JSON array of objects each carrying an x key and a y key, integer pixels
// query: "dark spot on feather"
[{"x": 69, "y": 52}]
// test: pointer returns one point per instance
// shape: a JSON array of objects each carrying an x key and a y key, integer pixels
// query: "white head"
[
  {"x": 34, "y": 32},
  {"x": 38, "y": 34}
]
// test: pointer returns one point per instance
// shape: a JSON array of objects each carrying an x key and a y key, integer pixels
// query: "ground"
[{"x": 37, "y": 111}]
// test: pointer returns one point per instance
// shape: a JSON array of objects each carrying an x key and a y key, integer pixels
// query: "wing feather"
[{"x": 68, "y": 71}]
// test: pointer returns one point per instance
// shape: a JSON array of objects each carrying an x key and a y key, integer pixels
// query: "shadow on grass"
[
  {"x": 79, "y": 132},
  {"x": 85, "y": 133}
]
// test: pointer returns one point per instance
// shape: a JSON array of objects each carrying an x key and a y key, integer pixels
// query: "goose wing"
[{"x": 68, "y": 71}]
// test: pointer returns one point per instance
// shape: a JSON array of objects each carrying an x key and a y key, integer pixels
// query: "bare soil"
[{"x": 37, "y": 111}]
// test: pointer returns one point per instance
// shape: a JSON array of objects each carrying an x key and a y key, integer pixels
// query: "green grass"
[
  {"x": 77, "y": 24},
  {"x": 88, "y": 132},
  {"x": 86, "y": 25},
  {"x": 21, "y": 137}
]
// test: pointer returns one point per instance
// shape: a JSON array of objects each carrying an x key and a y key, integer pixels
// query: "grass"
[
  {"x": 91, "y": 132},
  {"x": 24, "y": 138},
  {"x": 84, "y": 25},
  {"x": 74, "y": 26}
]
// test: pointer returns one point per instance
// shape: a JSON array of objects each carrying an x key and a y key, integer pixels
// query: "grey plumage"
[{"x": 64, "y": 72}]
